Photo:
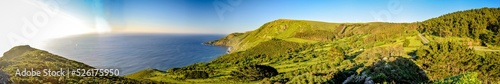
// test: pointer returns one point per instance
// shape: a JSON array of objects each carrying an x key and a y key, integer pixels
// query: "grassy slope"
[
  {"x": 21, "y": 57},
  {"x": 282, "y": 29},
  {"x": 303, "y": 31},
  {"x": 369, "y": 47},
  {"x": 354, "y": 35}
]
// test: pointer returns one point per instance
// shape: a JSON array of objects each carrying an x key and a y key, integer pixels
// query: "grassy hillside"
[
  {"x": 319, "y": 52},
  {"x": 21, "y": 57},
  {"x": 479, "y": 24},
  {"x": 302, "y": 31}
]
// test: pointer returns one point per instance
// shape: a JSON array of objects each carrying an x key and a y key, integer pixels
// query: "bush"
[
  {"x": 465, "y": 78},
  {"x": 406, "y": 43},
  {"x": 307, "y": 79},
  {"x": 196, "y": 75},
  {"x": 173, "y": 70},
  {"x": 436, "y": 58},
  {"x": 254, "y": 72},
  {"x": 480, "y": 24}
]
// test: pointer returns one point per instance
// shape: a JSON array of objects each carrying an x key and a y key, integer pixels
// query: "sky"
[
  {"x": 227, "y": 16},
  {"x": 34, "y": 21},
  {"x": 223, "y": 16}
]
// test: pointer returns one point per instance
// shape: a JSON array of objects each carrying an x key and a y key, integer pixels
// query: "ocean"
[{"x": 134, "y": 52}]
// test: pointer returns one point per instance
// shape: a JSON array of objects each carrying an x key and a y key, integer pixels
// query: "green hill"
[
  {"x": 459, "y": 47},
  {"x": 303, "y": 31},
  {"x": 320, "y": 52},
  {"x": 21, "y": 57},
  {"x": 301, "y": 51},
  {"x": 146, "y": 73},
  {"x": 479, "y": 24}
]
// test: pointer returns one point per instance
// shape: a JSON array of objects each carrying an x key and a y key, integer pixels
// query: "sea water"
[{"x": 134, "y": 52}]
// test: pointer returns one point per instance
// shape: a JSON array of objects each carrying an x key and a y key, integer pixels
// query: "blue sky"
[{"x": 200, "y": 16}]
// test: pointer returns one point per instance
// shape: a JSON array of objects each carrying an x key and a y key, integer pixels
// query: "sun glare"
[{"x": 66, "y": 25}]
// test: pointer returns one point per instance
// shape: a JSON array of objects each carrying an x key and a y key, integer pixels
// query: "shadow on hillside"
[
  {"x": 394, "y": 69},
  {"x": 413, "y": 54},
  {"x": 354, "y": 55},
  {"x": 340, "y": 76}
]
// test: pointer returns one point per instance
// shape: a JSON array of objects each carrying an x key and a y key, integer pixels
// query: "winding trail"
[
  {"x": 424, "y": 40},
  {"x": 482, "y": 48}
]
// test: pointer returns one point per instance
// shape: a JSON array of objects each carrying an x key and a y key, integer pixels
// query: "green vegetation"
[
  {"x": 465, "y": 78},
  {"x": 313, "y": 31},
  {"x": 254, "y": 72},
  {"x": 21, "y": 57},
  {"x": 436, "y": 59},
  {"x": 481, "y": 24},
  {"x": 460, "y": 47},
  {"x": 304, "y": 52},
  {"x": 146, "y": 73},
  {"x": 268, "y": 49},
  {"x": 406, "y": 43},
  {"x": 196, "y": 75},
  {"x": 392, "y": 69}
]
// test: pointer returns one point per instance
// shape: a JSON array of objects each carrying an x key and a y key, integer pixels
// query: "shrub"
[
  {"x": 173, "y": 69},
  {"x": 196, "y": 75},
  {"x": 254, "y": 72},
  {"x": 406, "y": 43},
  {"x": 436, "y": 59},
  {"x": 465, "y": 78}
]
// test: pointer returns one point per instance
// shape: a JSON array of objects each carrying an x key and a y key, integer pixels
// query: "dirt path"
[
  {"x": 482, "y": 48},
  {"x": 424, "y": 40}
]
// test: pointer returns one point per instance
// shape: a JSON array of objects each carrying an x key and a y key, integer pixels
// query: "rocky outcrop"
[{"x": 4, "y": 77}]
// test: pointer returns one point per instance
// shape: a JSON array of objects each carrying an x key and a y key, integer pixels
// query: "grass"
[
  {"x": 302, "y": 51},
  {"x": 415, "y": 43},
  {"x": 475, "y": 44},
  {"x": 146, "y": 74},
  {"x": 276, "y": 44},
  {"x": 299, "y": 40},
  {"x": 288, "y": 66}
]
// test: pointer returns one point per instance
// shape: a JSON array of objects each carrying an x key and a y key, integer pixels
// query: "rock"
[
  {"x": 4, "y": 77},
  {"x": 348, "y": 79},
  {"x": 369, "y": 80}
]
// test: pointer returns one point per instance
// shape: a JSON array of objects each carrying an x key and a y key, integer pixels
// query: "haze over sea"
[{"x": 133, "y": 52}]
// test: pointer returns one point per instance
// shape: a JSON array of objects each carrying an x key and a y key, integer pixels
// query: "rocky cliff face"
[
  {"x": 231, "y": 40},
  {"x": 4, "y": 77}
]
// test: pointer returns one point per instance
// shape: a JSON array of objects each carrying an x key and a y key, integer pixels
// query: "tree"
[
  {"x": 254, "y": 72},
  {"x": 196, "y": 75},
  {"x": 406, "y": 43},
  {"x": 438, "y": 56},
  {"x": 481, "y": 24}
]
